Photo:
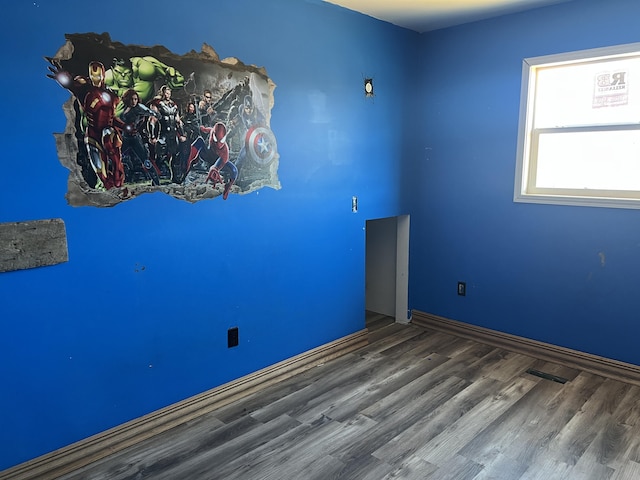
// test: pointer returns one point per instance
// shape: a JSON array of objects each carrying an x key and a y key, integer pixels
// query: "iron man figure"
[{"x": 102, "y": 136}]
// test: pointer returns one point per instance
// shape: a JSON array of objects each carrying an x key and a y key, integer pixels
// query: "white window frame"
[{"x": 525, "y": 189}]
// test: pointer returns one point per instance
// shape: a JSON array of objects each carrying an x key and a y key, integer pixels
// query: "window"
[{"x": 579, "y": 131}]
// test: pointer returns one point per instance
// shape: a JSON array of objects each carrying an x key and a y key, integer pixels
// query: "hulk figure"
[{"x": 141, "y": 76}]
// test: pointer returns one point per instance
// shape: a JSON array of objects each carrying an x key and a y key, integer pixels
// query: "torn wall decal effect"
[{"x": 142, "y": 119}]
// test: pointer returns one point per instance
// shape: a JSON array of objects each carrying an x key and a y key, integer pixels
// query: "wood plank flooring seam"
[{"x": 416, "y": 404}]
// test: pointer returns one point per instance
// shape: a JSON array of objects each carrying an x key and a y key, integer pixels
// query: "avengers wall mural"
[{"x": 142, "y": 119}]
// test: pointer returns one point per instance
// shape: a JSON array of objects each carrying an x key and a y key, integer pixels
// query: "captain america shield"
[{"x": 261, "y": 145}]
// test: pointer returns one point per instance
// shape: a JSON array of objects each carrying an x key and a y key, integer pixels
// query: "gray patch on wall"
[{"x": 32, "y": 244}]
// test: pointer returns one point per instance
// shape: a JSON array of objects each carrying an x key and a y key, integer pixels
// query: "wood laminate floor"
[{"x": 414, "y": 404}]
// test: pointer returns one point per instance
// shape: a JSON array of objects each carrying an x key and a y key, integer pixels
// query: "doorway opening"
[{"x": 387, "y": 267}]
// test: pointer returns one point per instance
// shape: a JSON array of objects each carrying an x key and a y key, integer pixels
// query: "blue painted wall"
[
  {"x": 564, "y": 275},
  {"x": 137, "y": 319},
  {"x": 98, "y": 341}
]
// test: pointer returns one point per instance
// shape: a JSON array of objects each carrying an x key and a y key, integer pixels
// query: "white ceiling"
[{"x": 427, "y": 15}]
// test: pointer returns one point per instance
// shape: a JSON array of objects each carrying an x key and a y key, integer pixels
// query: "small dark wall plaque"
[{"x": 32, "y": 244}]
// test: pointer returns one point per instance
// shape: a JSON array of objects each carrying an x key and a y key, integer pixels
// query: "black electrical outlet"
[
  {"x": 232, "y": 337},
  {"x": 462, "y": 289}
]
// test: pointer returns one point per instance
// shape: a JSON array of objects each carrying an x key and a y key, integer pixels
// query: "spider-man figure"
[{"x": 215, "y": 152}]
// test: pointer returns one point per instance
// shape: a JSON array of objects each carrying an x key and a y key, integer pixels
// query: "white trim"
[
  {"x": 402, "y": 270},
  {"x": 522, "y": 192}
]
